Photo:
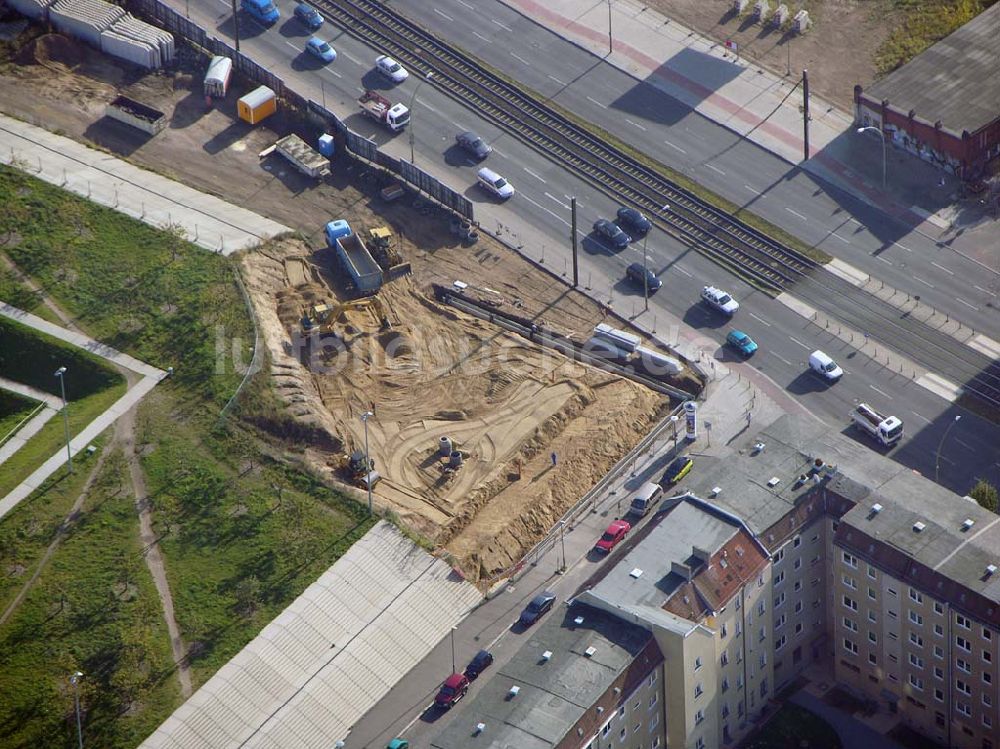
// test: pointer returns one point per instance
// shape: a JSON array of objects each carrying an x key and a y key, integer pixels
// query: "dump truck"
[
  {"x": 355, "y": 258},
  {"x": 393, "y": 116},
  {"x": 888, "y": 430},
  {"x": 304, "y": 158}
]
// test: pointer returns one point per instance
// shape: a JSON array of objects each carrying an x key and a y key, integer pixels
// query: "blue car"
[
  {"x": 309, "y": 16},
  {"x": 741, "y": 342},
  {"x": 318, "y": 48}
]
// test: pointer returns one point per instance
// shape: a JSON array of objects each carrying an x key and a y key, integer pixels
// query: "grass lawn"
[
  {"x": 793, "y": 727},
  {"x": 17, "y": 294},
  {"x": 927, "y": 22},
  {"x": 235, "y": 555},
  {"x": 14, "y": 409}
]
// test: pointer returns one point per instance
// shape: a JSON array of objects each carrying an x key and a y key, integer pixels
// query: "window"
[
  {"x": 739, "y": 603},
  {"x": 762, "y": 636},
  {"x": 779, "y": 600},
  {"x": 916, "y": 596},
  {"x": 964, "y": 709},
  {"x": 938, "y": 608},
  {"x": 916, "y": 618},
  {"x": 871, "y": 616},
  {"x": 963, "y": 621},
  {"x": 763, "y": 688},
  {"x": 652, "y": 700},
  {"x": 916, "y": 639},
  {"x": 987, "y": 656},
  {"x": 814, "y": 561},
  {"x": 963, "y": 686},
  {"x": 987, "y": 635},
  {"x": 780, "y": 643},
  {"x": 739, "y": 681},
  {"x": 652, "y": 678},
  {"x": 871, "y": 572},
  {"x": 850, "y": 560},
  {"x": 725, "y": 630},
  {"x": 850, "y": 646},
  {"x": 963, "y": 665},
  {"x": 798, "y": 627},
  {"x": 763, "y": 659},
  {"x": 893, "y": 636},
  {"x": 872, "y": 659},
  {"x": 760, "y": 581},
  {"x": 621, "y": 735},
  {"x": 850, "y": 624},
  {"x": 871, "y": 593},
  {"x": 798, "y": 607},
  {"x": 761, "y": 608},
  {"x": 987, "y": 700},
  {"x": 892, "y": 614},
  {"x": 698, "y": 691},
  {"x": 872, "y": 637},
  {"x": 779, "y": 622},
  {"x": 987, "y": 677},
  {"x": 938, "y": 651},
  {"x": 939, "y": 630},
  {"x": 725, "y": 685},
  {"x": 850, "y": 582},
  {"x": 698, "y": 718},
  {"x": 988, "y": 722},
  {"x": 916, "y": 660},
  {"x": 798, "y": 563},
  {"x": 725, "y": 658},
  {"x": 700, "y": 743},
  {"x": 779, "y": 556},
  {"x": 916, "y": 683},
  {"x": 779, "y": 578},
  {"x": 939, "y": 695},
  {"x": 697, "y": 663},
  {"x": 850, "y": 603},
  {"x": 892, "y": 592},
  {"x": 798, "y": 586},
  {"x": 938, "y": 672},
  {"x": 621, "y": 712},
  {"x": 963, "y": 643},
  {"x": 796, "y": 542}
]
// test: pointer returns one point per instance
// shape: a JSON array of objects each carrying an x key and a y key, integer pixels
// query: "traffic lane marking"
[
  {"x": 677, "y": 148},
  {"x": 518, "y": 57},
  {"x": 715, "y": 168},
  {"x": 970, "y": 306},
  {"x": 443, "y": 15},
  {"x": 551, "y": 213},
  {"x": 781, "y": 358},
  {"x": 949, "y": 272},
  {"x": 882, "y": 392},
  {"x": 796, "y": 213},
  {"x": 555, "y": 199},
  {"x": 505, "y": 28},
  {"x": 917, "y": 278},
  {"x": 760, "y": 319},
  {"x": 796, "y": 340},
  {"x": 488, "y": 41},
  {"x": 595, "y": 101},
  {"x": 634, "y": 124},
  {"x": 534, "y": 175}
]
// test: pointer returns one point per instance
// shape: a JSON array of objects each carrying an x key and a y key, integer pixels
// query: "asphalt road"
[{"x": 538, "y": 218}]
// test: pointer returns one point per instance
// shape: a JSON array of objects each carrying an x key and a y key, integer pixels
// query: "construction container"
[
  {"x": 326, "y": 145},
  {"x": 365, "y": 273},
  {"x": 136, "y": 114},
  {"x": 307, "y": 160},
  {"x": 257, "y": 105},
  {"x": 220, "y": 71}
]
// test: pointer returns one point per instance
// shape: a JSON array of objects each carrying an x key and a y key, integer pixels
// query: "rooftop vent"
[
  {"x": 480, "y": 727},
  {"x": 600, "y": 709},
  {"x": 773, "y": 481},
  {"x": 990, "y": 569},
  {"x": 636, "y": 573},
  {"x": 460, "y": 285},
  {"x": 547, "y": 655},
  {"x": 876, "y": 508},
  {"x": 513, "y": 691},
  {"x": 716, "y": 491},
  {"x": 578, "y": 621},
  {"x": 759, "y": 447},
  {"x": 968, "y": 523},
  {"x": 618, "y": 690},
  {"x": 590, "y": 652},
  {"x": 919, "y": 526}
]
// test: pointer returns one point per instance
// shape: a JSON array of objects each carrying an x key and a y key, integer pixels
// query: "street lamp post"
[
  {"x": 368, "y": 461},
  {"x": 454, "y": 667},
  {"x": 562, "y": 543},
  {"x": 75, "y": 681},
  {"x": 60, "y": 373},
  {"x": 937, "y": 459},
  {"x": 673, "y": 421},
  {"x": 884, "y": 146},
  {"x": 645, "y": 273},
  {"x": 413, "y": 100},
  {"x": 611, "y": 44}
]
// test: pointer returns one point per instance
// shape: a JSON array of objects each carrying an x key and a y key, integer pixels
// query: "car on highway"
[
  {"x": 612, "y": 233},
  {"x": 474, "y": 145},
  {"x": 494, "y": 183},
  {"x": 391, "y": 69},
  {"x": 631, "y": 219},
  {"x": 482, "y": 660},
  {"x": 641, "y": 276},
  {"x": 741, "y": 342},
  {"x": 318, "y": 48},
  {"x": 825, "y": 367},
  {"x": 398, "y": 744},
  {"x": 720, "y": 300},
  {"x": 309, "y": 16},
  {"x": 677, "y": 470},
  {"x": 453, "y": 689},
  {"x": 537, "y": 608},
  {"x": 613, "y": 536}
]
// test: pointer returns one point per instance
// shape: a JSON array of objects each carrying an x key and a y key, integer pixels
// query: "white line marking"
[
  {"x": 981, "y": 289},
  {"x": 796, "y": 340},
  {"x": 946, "y": 460},
  {"x": 470, "y": 7},
  {"x": 796, "y": 213},
  {"x": 964, "y": 444},
  {"x": 293, "y": 46},
  {"x": 595, "y": 101},
  {"x": 443, "y": 15},
  {"x": 897, "y": 244},
  {"x": 505, "y": 28},
  {"x": 427, "y": 106},
  {"x": 949, "y": 272},
  {"x": 917, "y": 278},
  {"x": 882, "y": 392},
  {"x": 845, "y": 241},
  {"x": 677, "y": 267},
  {"x": 355, "y": 60},
  {"x": 554, "y": 215},
  {"x": 634, "y": 124},
  {"x": 557, "y": 80},
  {"x": 534, "y": 175},
  {"x": 781, "y": 358},
  {"x": 887, "y": 262},
  {"x": 760, "y": 319},
  {"x": 332, "y": 72},
  {"x": 498, "y": 152},
  {"x": 753, "y": 190},
  {"x": 921, "y": 416},
  {"x": 970, "y": 306},
  {"x": 488, "y": 41},
  {"x": 555, "y": 199},
  {"x": 675, "y": 147},
  {"x": 518, "y": 57},
  {"x": 715, "y": 168}
]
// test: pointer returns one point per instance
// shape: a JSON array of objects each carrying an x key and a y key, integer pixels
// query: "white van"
[
  {"x": 495, "y": 184},
  {"x": 824, "y": 366},
  {"x": 646, "y": 498}
]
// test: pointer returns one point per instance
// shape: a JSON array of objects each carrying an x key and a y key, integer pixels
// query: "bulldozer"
[
  {"x": 383, "y": 247},
  {"x": 320, "y": 318},
  {"x": 356, "y": 471}
]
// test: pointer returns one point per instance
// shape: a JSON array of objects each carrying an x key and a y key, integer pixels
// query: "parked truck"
[
  {"x": 354, "y": 257},
  {"x": 263, "y": 10},
  {"x": 393, "y": 116},
  {"x": 888, "y": 430},
  {"x": 307, "y": 160}
]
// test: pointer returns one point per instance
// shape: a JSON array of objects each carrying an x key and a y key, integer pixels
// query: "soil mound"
[{"x": 53, "y": 51}]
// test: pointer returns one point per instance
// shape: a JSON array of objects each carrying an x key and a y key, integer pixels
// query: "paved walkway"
[
  {"x": 150, "y": 376},
  {"x": 203, "y": 219},
  {"x": 852, "y": 732},
  {"x": 753, "y": 102}
]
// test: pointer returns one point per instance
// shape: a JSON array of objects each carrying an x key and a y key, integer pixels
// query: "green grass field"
[
  {"x": 14, "y": 409},
  {"x": 926, "y": 22},
  {"x": 235, "y": 555}
]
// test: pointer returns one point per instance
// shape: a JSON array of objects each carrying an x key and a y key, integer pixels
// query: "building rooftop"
[
  {"x": 554, "y": 693},
  {"x": 955, "y": 81}
]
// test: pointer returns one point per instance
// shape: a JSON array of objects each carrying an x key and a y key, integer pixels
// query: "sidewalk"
[
  {"x": 756, "y": 104},
  {"x": 160, "y": 202}
]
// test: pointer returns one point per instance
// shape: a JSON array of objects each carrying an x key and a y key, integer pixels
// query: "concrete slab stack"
[
  {"x": 37, "y": 9},
  {"x": 84, "y": 19}
]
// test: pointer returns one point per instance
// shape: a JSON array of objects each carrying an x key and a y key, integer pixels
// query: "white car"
[
  {"x": 825, "y": 367},
  {"x": 494, "y": 183},
  {"x": 391, "y": 69},
  {"x": 720, "y": 300}
]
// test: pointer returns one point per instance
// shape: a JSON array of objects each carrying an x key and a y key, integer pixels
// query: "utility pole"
[
  {"x": 611, "y": 44},
  {"x": 645, "y": 273},
  {"x": 236, "y": 25},
  {"x": 61, "y": 373},
  {"x": 805, "y": 113},
  {"x": 75, "y": 681},
  {"x": 572, "y": 231}
]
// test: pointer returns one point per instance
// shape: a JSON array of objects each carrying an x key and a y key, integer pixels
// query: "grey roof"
[
  {"x": 954, "y": 81},
  {"x": 668, "y": 541},
  {"x": 554, "y": 694}
]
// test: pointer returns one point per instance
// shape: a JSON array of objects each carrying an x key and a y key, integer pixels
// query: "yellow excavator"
[{"x": 321, "y": 318}]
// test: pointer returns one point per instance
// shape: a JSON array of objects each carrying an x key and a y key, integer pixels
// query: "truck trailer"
[
  {"x": 307, "y": 160},
  {"x": 355, "y": 258},
  {"x": 393, "y": 116},
  {"x": 888, "y": 430}
]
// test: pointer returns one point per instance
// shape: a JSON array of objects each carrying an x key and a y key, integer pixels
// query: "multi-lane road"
[{"x": 636, "y": 112}]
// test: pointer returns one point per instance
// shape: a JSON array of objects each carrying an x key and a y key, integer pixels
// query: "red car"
[
  {"x": 453, "y": 689},
  {"x": 613, "y": 536}
]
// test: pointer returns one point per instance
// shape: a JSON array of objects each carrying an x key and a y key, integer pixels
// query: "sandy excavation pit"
[{"x": 505, "y": 403}]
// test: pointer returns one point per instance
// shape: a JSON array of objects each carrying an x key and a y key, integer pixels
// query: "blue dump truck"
[
  {"x": 365, "y": 274},
  {"x": 264, "y": 11}
]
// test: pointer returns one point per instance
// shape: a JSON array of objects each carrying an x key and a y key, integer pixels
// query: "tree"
[{"x": 985, "y": 494}]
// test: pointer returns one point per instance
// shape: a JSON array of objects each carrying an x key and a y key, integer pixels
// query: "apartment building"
[{"x": 766, "y": 560}]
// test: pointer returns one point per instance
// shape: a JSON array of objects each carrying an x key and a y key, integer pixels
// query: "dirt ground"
[
  {"x": 505, "y": 403},
  {"x": 838, "y": 50}
]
